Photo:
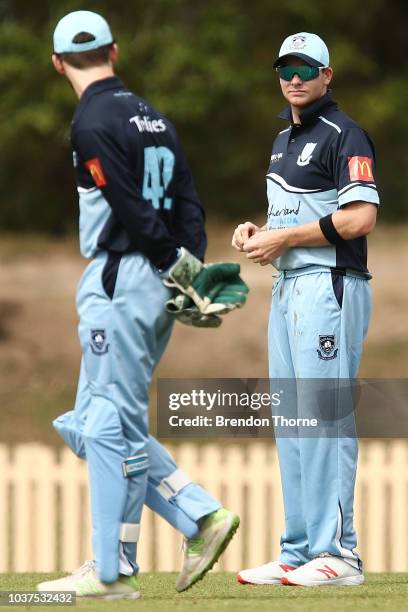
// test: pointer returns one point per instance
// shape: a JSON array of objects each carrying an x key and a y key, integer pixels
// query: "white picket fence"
[{"x": 44, "y": 508}]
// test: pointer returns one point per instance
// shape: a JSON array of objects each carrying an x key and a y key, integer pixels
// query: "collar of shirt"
[
  {"x": 99, "y": 86},
  {"x": 311, "y": 113}
]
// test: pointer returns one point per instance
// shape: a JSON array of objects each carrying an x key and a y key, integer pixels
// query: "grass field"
[{"x": 220, "y": 591}]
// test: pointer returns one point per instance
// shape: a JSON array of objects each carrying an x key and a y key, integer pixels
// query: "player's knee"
[
  {"x": 103, "y": 420},
  {"x": 67, "y": 427}
]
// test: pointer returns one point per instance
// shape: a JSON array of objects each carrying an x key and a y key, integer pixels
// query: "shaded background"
[{"x": 208, "y": 66}]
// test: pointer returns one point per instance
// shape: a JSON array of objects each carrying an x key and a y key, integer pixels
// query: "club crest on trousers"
[
  {"x": 327, "y": 350},
  {"x": 98, "y": 342}
]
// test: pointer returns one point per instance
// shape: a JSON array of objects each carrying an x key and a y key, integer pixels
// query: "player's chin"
[{"x": 299, "y": 99}]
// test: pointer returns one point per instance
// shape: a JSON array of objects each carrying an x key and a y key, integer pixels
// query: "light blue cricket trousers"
[
  {"x": 317, "y": 325},
  {"x": 123, "y": 331}
]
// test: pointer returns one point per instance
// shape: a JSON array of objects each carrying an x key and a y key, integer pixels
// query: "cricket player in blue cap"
[{"x": 142, "y": 227}]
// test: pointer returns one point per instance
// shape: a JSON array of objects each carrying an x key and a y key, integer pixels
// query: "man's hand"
[
  {"x": 265, "y": 247},
  {"x": 242, "y": 233}
]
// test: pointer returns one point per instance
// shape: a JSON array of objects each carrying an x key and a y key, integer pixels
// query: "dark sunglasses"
[{"x": 305, "y": 73}]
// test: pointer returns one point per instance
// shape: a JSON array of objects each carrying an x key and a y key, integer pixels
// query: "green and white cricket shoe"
[
  {"x": 202, "y": 552},
  {"x": 85, "y": 583}
]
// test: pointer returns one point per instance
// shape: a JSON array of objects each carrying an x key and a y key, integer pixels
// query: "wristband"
[{"x": 329, "y": 231}]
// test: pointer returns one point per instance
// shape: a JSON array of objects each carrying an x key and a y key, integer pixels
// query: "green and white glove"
[
  {"x": 213, "y": 288},
  {"x": 185, "y": 311}
]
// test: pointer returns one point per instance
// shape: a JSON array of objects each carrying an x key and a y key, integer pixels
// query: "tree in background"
[{"x": 208, "y": 66}]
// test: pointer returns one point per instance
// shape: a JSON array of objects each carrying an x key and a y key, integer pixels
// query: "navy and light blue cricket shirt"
[
  {"x": 316, "y": 167},
  {"x": 136, "y": 192}
]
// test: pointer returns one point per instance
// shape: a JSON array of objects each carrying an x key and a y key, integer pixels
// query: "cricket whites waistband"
[{"x": 314, "y": 269}]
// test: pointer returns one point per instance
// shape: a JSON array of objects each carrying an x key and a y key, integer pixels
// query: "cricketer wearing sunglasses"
[{"x": 322, "y": 203}]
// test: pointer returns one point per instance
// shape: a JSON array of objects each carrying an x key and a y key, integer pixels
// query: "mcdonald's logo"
[
  {"x": 360, "y": 168},
  {"x": 95, "y": 168}
]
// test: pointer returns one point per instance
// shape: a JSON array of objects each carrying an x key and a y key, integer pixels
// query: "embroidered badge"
[
  {"x": 327, "y": 350},
  {"x": 98, "y": 342},
  {"x": 360, "y": 168},
  {"x": 306, "y": 155},
  {"x": 298, "y": 42},
  {"x": 95, "y": 168}
]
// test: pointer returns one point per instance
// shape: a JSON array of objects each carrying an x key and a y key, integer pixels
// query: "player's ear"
[
  {"x": 113, "y": 53},
  {"x": 327, "y": 75},
  {"x": 58, "y": 63}
]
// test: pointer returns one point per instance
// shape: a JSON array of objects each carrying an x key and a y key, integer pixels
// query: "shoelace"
[
  {"x": 193, "y": 546},
  {"x": 84, "y": 569}
]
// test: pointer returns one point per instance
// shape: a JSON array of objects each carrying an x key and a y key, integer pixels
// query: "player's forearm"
[
  {"x": 189, "y": 227},
  {"x": 352, "y": 222},
  {"x": 308, "y": 234},
  {"x": 146, "y": 229}
]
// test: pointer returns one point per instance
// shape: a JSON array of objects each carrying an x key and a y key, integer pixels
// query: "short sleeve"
[{"x": 354, "y": 167}]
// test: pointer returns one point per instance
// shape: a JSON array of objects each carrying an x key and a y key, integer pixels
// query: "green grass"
[{"x": 220, "y": 591}]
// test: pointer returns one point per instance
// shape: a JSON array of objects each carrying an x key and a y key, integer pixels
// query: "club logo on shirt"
[
  {"x": 95, "y": 168},
  {"x": 306, "y": 155},
  {"x": 327, "y": 344},
  {"x": 360, "y": 168},
  {"x": 98, "y": 342},
  {"x": 298, "y": 42}
]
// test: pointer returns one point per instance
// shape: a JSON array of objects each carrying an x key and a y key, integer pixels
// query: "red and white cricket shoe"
[
  {"x": 270, "y": 573},
  {"x": 324, "y": 570}
]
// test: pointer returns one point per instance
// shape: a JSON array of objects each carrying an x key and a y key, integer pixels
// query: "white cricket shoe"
[
  {"x": 85, "y": 583},
  {"x": 270, "y": 573},
  {"x": 325, "y": 570},
  {"x": 202, "y": 552}
]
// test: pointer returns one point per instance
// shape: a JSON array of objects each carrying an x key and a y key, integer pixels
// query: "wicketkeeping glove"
[
  {"x": 213, "y": 288},
  {"x": 185, "y": 311}
]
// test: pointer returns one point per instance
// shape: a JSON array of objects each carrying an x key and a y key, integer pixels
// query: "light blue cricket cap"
[
  {"x": 308, "y": 47},
  {"x": 81, "y": 21}
]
